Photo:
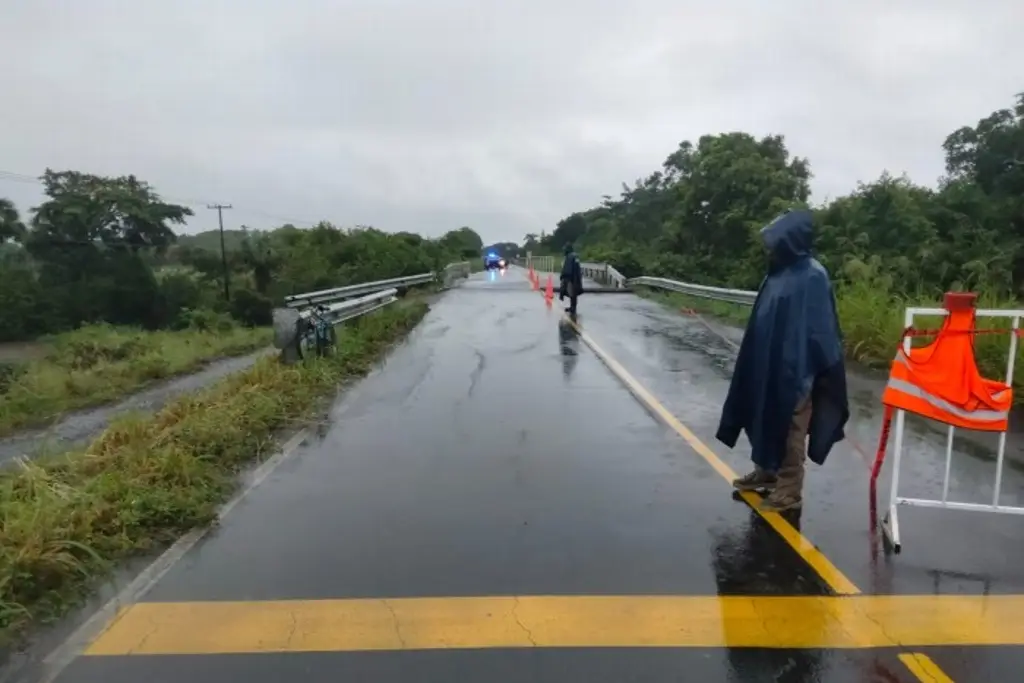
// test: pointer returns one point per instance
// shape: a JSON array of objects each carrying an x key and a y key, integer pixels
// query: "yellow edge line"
[
  {"x": 831, "y": 574},
  {"x": 870, "y": 621}
]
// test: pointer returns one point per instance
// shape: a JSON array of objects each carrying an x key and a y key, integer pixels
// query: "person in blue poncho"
[
  {"x": 571, "y": 279},
  {"x": 790, "y": 380}
]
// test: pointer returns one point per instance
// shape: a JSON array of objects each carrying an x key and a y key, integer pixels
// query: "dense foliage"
[
  {"x": 697, "y": 217},
  {"x": 104, "y": 250}
]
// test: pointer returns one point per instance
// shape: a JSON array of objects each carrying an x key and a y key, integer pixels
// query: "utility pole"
[{"x": 223, "y": 252}]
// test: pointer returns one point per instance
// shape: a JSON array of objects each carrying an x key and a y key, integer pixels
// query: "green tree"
[
  {"x": 115, "y": 212},
  {"x": 11, "y": 227},
  {"x": 698, "y": 216},
  {"x": 87, "y": 237},
  {"x": 464, "y": 243}
]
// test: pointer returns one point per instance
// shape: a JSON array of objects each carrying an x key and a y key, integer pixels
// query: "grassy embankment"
[
  {"x": 149, "y": 479},
  {"x": 872, "y": 321},
  {"x": 99, "y": 363}
]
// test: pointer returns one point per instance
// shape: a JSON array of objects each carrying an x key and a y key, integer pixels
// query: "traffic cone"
[{"x": 549, "y": 293}]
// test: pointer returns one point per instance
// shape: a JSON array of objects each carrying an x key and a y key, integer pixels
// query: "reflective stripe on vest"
[
  {"x": 900, "y": 393},
  {"x": 945, "y": 406}
]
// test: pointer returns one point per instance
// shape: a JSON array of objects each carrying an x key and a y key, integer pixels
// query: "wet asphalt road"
[{"x": 495, "y": 455}]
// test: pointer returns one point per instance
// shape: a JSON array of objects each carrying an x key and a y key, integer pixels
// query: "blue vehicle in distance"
[{"x": 493, "y": 261}]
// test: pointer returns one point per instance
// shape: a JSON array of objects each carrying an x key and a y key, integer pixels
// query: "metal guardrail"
[
  {"x": 744, "y": 297},
  {"x": 325, "y": 296},
  {"x": 291, "y": 324},
  {"x": 339, "y": 304},
  {"x": 351, "y": 308}
]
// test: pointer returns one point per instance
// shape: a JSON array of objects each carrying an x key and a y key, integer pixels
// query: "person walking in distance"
[
  {"x": 571, "y": 279},
  {"x": 788, "y": 391}
]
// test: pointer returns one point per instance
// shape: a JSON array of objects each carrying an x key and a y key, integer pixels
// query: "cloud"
[{"x": 504, "y": 116}]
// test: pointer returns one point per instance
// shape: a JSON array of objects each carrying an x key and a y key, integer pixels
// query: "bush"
[
  {"x": 88, "y": 346},
  {"x": 9, "y": 372},
  {"x": 180, "y": 291},
  {"x": 252, "y": 308},
  {"x": 203, "y": 320},
  {"x": 24, "y": 311}
]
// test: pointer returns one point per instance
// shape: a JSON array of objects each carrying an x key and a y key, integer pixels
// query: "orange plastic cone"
[{"x": 549, "y": 293}]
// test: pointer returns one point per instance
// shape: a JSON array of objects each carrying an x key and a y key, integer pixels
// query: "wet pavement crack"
[
  {"x": 515, "y": 615},
  {"x": 394, "y": 619},
  {"x": 474, "y": 377},
  {"x": 894, "y": 642},
  {"x": 529, "y": 347},
  {"x": 145, "y": 638},
  {"x": 294, "y": 628}
]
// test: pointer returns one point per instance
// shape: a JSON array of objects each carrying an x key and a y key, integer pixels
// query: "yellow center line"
[
  {"x": 811, "y": 554},
  {"x": 853, "y": 622},
  {"x": 922, "y": 666}
]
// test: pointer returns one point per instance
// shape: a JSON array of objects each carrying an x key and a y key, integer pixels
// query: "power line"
[{"x": 24, "y": 178}]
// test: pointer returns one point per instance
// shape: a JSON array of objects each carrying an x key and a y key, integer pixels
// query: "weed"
[
  {"x": 98, "y": 363},
  {"x": 147, "y": 480}
]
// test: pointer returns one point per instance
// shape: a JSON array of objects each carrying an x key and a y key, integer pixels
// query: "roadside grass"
[
  {"x": 148, "y": 480},
  {"x": 98, "y": 363},
  {"x": 871, "y": 318}
]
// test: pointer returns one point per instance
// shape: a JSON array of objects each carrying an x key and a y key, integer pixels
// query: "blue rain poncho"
[{"x": 792, "y": 346}]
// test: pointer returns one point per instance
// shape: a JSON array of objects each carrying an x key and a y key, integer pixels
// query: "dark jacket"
[
  {"x": 572, "y": 274},
  {"x": 792, "y": 346}
]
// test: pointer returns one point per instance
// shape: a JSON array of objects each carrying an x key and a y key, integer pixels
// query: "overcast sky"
[{"x": 504, "y": 115}]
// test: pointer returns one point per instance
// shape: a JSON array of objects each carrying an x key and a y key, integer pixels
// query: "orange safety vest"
[{"x": 941, "y": 380}]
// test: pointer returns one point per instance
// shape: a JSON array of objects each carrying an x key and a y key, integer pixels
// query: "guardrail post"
[{"x": 286, "y": 326}]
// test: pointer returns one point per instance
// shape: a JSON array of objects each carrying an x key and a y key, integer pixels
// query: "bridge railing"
[
  {"x": 744, "y": 297},
  {"x": 543, "y": 264},
  {"x": 455, "y": 271},
  {"x": 605, "y": 274},
  {"x": 602, "y": 273}
]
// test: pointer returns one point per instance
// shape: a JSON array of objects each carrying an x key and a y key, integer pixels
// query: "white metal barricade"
[{"x": 890, "y": 524}]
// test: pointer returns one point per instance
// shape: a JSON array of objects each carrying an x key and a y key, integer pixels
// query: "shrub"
[{"x": 252, "y": 308}]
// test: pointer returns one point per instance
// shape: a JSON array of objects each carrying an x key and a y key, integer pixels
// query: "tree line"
[
  {"x": 104, "y": 249},
  {"x": 696, "y": 218}
]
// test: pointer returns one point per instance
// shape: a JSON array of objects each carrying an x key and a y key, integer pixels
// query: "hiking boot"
[
  {"x": 758, "y": 480},
  {"x": 780, "y": 502}
]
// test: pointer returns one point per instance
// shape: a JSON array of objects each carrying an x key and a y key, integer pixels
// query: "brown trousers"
[{"x": 790, "y": 480}]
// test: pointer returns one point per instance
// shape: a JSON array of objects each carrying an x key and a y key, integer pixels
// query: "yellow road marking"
[
  {"x": 189, "y": 628},
  {"x": 922, "y": 666},
  {"x": 919, "y": 664},
  {"x": 831, "y": 574}
]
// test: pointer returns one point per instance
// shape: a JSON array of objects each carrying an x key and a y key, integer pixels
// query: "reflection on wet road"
[{"x": 495, "y": 505}]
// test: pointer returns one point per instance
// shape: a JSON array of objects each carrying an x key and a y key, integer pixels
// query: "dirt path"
[{"x": 80, "y": 426}]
